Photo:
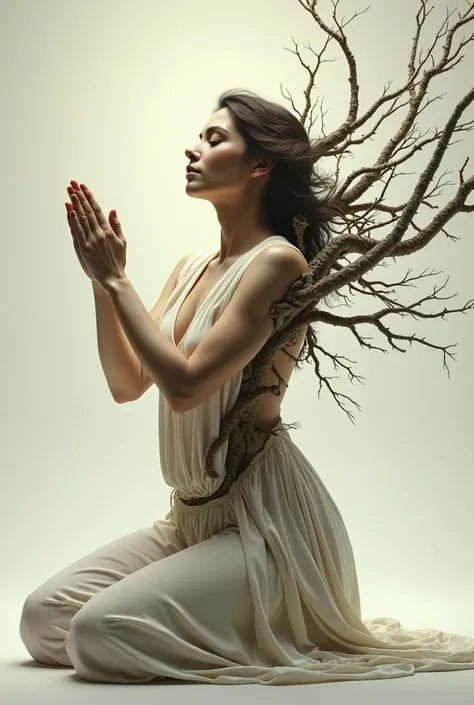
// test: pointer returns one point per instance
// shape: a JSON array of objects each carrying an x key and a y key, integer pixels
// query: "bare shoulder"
[
  {"x": 181, "y": 263},
  {"x": 274, "y": 270},
  {"x": 284, "y": 255},
  {"x": 174, "y": 276}
]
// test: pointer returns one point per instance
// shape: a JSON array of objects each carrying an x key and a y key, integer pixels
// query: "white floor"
[{"x": 24, "y": 682}]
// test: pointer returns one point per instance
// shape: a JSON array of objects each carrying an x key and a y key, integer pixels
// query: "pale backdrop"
[{"x": 111, "y": 94}]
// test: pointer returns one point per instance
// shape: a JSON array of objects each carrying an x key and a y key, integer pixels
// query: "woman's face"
[{"x": 219, "y": 157}]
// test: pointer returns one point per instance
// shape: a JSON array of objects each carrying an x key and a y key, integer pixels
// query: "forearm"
[
  {"x": 165, "y": 364},
  {"x": 121, "y": 366}
]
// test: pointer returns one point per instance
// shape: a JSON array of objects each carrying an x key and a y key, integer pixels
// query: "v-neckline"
[
  {"x": 193, "y": 281},
  {"x": 186, "y": 293}
]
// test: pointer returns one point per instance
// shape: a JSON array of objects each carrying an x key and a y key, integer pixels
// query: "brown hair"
[{"x": 295, "y": 186}]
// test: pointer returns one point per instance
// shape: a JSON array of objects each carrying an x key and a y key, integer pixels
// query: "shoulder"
[
  {"x": 181, "y": 264},
  {"x": 284, "y": 256},
  {"x": 276, "y": 263},
  {"x": 268, "y": 277},
  {"x": 185, "y": 263}
]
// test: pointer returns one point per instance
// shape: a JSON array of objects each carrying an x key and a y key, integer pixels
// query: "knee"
[
  {"x": 33, "y": 623},
  {"x": 85, "y": 628},
  {"x": 102, "y": 647},
  {"x": 40, "y": 630},
  {"x": 32, "y": 617},
  {"x": 85, "y": 645}
]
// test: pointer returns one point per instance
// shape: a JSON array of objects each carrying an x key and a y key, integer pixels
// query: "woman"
[{"x": 250, "y": 578}]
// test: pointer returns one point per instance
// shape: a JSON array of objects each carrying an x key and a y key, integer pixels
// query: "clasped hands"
[{"x": 99, "y": 243}]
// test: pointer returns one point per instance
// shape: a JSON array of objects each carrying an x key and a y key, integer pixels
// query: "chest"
[
  {"x": 193, "y": 300},
  {"x": 268, "y": 408}
]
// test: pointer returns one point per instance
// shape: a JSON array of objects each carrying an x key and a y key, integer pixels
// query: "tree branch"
[{"x": 350, "y": 256}]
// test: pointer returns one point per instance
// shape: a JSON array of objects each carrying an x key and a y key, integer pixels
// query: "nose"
[{"x": 191, "y": 155}]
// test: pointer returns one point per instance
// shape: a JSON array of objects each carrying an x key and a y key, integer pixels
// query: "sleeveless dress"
[{"x": 311, "y": 631}]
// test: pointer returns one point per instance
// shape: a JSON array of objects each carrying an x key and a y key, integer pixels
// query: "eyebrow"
[{"x": 215, "y": 127}]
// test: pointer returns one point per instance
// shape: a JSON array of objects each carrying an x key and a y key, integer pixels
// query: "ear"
[{"x": 262, "y": 167}]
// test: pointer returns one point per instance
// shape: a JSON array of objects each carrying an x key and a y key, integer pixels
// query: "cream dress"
[
  {"x": 256, "y": 586},
  {"x": 291, "y": 529}
]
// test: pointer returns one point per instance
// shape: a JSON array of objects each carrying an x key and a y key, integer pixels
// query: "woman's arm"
[{"x": 126, "y": 377}]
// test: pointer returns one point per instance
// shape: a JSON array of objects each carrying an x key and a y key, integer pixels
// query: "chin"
[{"x": 196, "y": 193}]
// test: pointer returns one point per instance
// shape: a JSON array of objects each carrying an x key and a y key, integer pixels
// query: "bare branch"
[
  {"x": 371, "y": 288},
  {"x": 391, "y": 244},
  {"x": 339, "y": 398},
  {"x": 341, "y": 39},
  {"x": 348, "y": 258},
  {"x": 380, "y": 169},
  {"x": 374, "y": 320}
]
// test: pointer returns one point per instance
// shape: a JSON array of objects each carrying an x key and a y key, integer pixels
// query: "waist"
[{"x": 234, "y": 475}]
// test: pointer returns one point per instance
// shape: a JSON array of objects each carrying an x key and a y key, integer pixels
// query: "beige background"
[{"x": 111, "y": 93}]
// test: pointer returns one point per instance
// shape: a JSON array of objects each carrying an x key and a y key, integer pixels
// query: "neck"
[{"x": 242, "y": 228}]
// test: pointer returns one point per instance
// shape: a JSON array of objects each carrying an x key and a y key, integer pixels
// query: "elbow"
[
  {"x": 182, "y": 401},
  {"x": 122, "y": 398},
  {"x": 181, "y": 398},
  {"x": 180, "y": 405}
]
